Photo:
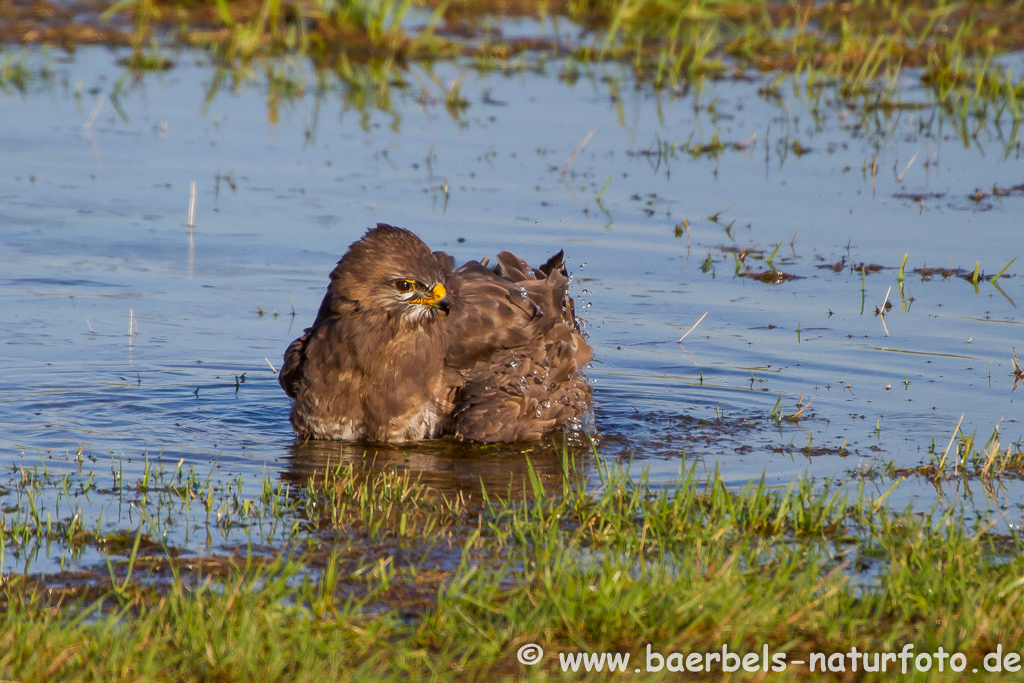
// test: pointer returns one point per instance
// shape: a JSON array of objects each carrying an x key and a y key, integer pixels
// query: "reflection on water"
[
  {"x": 450, "y": 468},
  {"x": 126, "y": 336}
]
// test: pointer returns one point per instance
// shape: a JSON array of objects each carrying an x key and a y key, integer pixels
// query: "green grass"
[
  {"x": 848, "y": 57},
  {"x": 858, "y": 50},
  {"x": 963, "y": 459},
  {"x": 390, "y": 581}
]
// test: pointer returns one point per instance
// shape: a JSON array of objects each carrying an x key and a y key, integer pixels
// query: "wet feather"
[{"x": 501, "y": 360}]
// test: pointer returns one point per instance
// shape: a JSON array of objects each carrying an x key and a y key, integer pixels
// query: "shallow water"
[{"x": 124, "y": 337}]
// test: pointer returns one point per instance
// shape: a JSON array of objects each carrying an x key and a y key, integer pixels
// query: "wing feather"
[
  {"x": 294, "y": 358},
  {"x": 515, "y": 340}
]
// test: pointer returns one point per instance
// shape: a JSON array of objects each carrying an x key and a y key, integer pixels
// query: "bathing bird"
[{"x": 406, "y": 347}]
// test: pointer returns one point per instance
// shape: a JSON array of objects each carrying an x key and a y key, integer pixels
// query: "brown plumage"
[{"x": 405, "y": 347}]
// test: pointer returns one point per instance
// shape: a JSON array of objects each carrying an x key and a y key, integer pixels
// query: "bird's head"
[{"x": 391, "y": 270}]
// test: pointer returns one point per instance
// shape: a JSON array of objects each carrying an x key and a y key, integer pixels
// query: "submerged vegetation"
[{"x": 387, "y": 579}]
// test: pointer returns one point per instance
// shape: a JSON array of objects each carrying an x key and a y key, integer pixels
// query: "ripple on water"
[{"x": 126, "y": 336}]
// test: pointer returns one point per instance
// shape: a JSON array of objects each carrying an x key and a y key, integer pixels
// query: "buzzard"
[{"x": 406, "y": 347}]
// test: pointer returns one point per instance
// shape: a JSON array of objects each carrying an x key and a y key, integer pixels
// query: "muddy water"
[{"x": 126, "y": 338}]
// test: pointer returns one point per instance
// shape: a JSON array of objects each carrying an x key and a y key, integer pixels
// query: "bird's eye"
[{"x": 404, "y": 285}]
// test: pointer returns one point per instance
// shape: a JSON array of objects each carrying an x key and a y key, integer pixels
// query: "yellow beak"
[{"x": 439, "y": 298}]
